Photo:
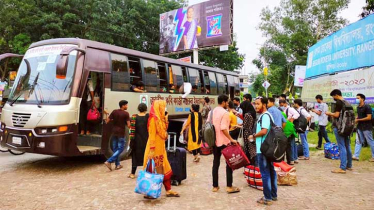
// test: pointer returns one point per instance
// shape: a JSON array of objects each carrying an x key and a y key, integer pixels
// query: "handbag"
[
  {"x": 241, "y": 138},
  {"x": 93, "y": 114},
  {"x": 235, "y": 157},
  {"x": 149, "y": 183}
]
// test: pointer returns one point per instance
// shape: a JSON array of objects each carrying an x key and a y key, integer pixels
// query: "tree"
[
  {"x": 291, "y": 29},
  {"x": 368, "y": 9}
]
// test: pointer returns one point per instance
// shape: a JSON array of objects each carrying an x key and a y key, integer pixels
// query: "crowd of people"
[{"x": 252, "y": 118}]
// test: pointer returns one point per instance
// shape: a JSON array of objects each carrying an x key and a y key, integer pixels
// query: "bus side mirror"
[{"x": 63, "y": 61}]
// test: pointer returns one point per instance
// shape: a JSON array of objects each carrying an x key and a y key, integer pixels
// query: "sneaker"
[
  {"x": 355, "y": 158},
  {"x": 338, "y": 171}
]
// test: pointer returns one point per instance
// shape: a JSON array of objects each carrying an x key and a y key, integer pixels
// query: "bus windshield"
[{"x": 38, "y": 83}]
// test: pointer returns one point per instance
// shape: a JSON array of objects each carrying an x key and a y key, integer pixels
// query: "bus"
[{"x": 44, "y": 111}]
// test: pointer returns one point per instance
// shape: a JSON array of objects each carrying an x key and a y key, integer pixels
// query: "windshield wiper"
[
  {"x": 33, "y": 88},
  {"x": 28, "y": 69}
]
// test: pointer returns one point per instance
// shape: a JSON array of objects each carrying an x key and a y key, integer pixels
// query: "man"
[
  {"x": 120, "y": 119},
  {"x": 321, "y": 109},
  {"x": 344, "y": 142},
  {"x": 221, "y": 122},
  {"x": 247, "y": 106},
  {"x": 292, "y": 115},
  {"x": 138, "y": 87},
  {"x": 206, "y": 109},
  {"x": 194, "y": 89},
  {"x": 364, "y": 127},
  {"x": 269, "y": 176},
  {"x": 238, "y": 110},
  {"x": 298, "y": 105},
  {"x": 279, "y": 120}
]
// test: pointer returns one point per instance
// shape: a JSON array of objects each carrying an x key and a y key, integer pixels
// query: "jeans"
[
  {"x": 362, "y": 135},
  {"x": 290, "y": 149},
  {"x": 217, "y": 153},
  {"x": 322, "y": 133},
  {"x": 294, "y": 155},
  {"x": 118, "y": 145},
  {"x": 269, "y": 177},
  {"x": 344, "y": 144},
  {"x": 304, "y": 142}
]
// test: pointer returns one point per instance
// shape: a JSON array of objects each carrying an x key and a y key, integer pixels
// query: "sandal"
[
  {"x": 172, "y": 194},
  {"x": 131, "y": 176},
  {"x": 148, "y": 197},
  {"x": 264, "y": 202},
  {"x": 232, "y": 190},
  {"x": 215, "y": 189},
  {"x": 118, "y": 167}
]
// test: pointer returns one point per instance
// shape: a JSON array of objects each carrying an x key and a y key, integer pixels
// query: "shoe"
[
  {"x": 371, "y": 160},
  {"x": 197, "y": 160},
  {"x": 301, "y": 157},
  {"x": 304, "y": 158},
  {"x": 338, "y": 171},
  {"x": 264, "y": 202},
  {"x": 274, "y": 199},
  {"x": 318, "y": 148},
  {"x": 118, "y": 167},
  {"x": 230, "y": 190},
  {"x": 355, "y": 158},
  {"x": 350, "y": 169},
  {"x": 131, "y": 176},
  {"x": 215, "y": 189},
  {"x": 109, "y": 165}
]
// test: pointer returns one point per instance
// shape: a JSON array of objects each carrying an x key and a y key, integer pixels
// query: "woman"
[
  {"x": 155, "y": 149},
  {"x": 194, "y": 122},
  {"x": 234, "y": 128},
  {"x": 248, "y": 126},
  {"x": 192, "y": 31},
  {"x": 138, "y": 137}
]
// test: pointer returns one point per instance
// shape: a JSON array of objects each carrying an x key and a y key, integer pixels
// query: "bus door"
[{"x": 230, "y": 86}]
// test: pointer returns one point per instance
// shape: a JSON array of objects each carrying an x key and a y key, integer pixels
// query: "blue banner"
[{"x": 349, "y": 48}]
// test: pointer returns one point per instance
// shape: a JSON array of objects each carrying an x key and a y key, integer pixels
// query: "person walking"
[
  {"x": 206, "y": 109},
  {"x": 120, "y": 119},
  {"x": 321, "y": 109},
  {"x": 194, "y": 122},
  {"x": 157, "y": 130},
  {"x": 344, "y": 142},
  {"x": 138, "y": 138},
  {"x": 298, "y": 105},
  {"x": 268, "y": 174},
  {"x": 364, "y": 127},
  {"x": 221, "y": 122}
]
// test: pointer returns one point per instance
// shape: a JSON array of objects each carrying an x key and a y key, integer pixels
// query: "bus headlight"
[{"x": 52, "y": 130}]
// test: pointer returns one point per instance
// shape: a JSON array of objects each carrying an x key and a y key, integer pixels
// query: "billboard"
[
  {"x": 201, "y": 25},
  {"x": 350, "y": 83},
  {"x": 299, "y": 75},
  {"x": 185, "y": 59},
  {"x": 347, "y": 49}
]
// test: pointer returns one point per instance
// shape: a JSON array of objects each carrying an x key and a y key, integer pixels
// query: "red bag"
[
  {"x": 235, "y": 157},
  {"x": 284, "y": 166},
  {"x": 253, "y": 177},
  {"x": 205, "y": 150},
  {"x": 93, "y": 114}
]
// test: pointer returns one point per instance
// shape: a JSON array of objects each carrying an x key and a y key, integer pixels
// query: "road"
[{"x": 45, "y": 182}]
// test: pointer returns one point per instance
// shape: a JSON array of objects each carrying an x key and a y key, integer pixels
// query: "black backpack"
[
  {"x": 346, "y": 121},
  {"x": 275, "y": 144},
  {"x": 209, "y": 132},
  {"x": 301, "y": 123}
]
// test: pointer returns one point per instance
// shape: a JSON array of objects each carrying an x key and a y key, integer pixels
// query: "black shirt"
[
  {"x": 120, "y": 119},
  {"x": 338, "y": 108},
  {"x": 362, "y": 113}
]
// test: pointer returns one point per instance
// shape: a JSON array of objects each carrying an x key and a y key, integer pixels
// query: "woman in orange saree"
[{"x": 157, "y": 129}]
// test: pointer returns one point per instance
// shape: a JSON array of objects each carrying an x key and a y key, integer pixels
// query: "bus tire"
[{"x": 124, "y": 155}]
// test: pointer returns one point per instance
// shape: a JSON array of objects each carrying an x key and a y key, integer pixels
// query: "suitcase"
[
  {"x": 300, "y": 149},
  {"x": 178, "y": 161}
]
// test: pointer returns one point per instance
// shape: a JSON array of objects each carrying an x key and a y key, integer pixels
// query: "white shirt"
[
  {"x": 292, "y": 113},
  {"x": 303, "y": 111},
  {"x": 323, "y": 118}
]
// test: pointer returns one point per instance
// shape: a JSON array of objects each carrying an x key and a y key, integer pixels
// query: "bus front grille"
[{"x": 20, "y": 119}]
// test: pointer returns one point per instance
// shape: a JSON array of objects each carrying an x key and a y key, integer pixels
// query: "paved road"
[{"x": 45, "y": 182}]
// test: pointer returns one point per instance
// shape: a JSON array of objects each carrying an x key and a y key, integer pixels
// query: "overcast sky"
[{"x": 247, "y": 18}]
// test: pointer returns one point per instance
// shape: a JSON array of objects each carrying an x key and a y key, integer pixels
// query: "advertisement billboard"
[
  {"x": 347, "y": 49},
  {"x": 350, "y": 83},
  {"x": 201, "y": 25},
  {"x": 299, "y": 75}
]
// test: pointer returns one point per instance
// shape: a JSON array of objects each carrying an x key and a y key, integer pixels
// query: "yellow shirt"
[{"x": 233, "y": 121}]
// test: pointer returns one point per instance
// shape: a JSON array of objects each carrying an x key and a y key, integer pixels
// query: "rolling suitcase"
[{"x": 178, "y": 161}]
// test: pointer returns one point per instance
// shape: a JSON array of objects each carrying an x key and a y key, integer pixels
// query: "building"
[{"x": 244, "y": 83}]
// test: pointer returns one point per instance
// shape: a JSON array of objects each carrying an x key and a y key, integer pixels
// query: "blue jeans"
[
  {"x": 118, "y": 145},
  {"x": 344, "y": 144},
  {"x": 304, "y": 142},
  {"x": 269, "y": 177},
  {"x": 294, "y": 155},
  {"x": 322, "y": 133},
  {"x": 362, "y": 135}
]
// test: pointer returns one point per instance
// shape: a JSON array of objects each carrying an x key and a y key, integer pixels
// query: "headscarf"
[
  {"x": 158, "y": 114},
  {"x": 247, "y": 107}
]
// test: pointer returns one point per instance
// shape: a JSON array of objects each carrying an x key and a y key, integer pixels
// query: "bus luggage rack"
[{"x": 20, "y": 119}]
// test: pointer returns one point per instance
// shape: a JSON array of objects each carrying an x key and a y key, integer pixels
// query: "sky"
[{"x": 247, "y": 19}]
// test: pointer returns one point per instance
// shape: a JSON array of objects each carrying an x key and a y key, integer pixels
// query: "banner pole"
[{"x": 195, "y": 56}]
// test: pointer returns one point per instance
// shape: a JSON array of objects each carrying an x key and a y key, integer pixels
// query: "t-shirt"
[
  {"x": 119, "y": 119},
  {"x": 240, "y": 111},
  {"x": 221, "y": 121},
  {"x": 233, "y": 121},
  {"x": 323, "y": 118},
  {"x": 338, "y": 108},
  {"x": 362, "y": 112},
  {"x": 277, "y": 116},
  {"x": 263, "y": 122}
]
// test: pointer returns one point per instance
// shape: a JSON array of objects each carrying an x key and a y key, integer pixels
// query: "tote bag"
[{"x": 149, "y": 183}]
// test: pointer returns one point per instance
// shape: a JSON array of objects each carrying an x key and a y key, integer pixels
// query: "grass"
[{"x": 313, "y": 139}]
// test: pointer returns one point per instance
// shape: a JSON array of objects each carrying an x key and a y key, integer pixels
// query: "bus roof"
[{"x": 83, "y": 43}]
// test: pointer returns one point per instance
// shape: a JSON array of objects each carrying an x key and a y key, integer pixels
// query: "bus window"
[
  {"x": 176, "y": 79},
  {"x": 237, "y": 86},
  {"x": 213, "y": 83},
  {"x": 184, "y": 72},
  {"x": 162, "y": 77},
  {"x": 202, "y": 82},
  {"x": 222, "y": 85},
  {"x": 151, "y": 79},
  {"x": 120, "y": 73},
  {"x": 207, "y": 83},
  {"x": 195, "y": 81},
  {"x": 135, "y": 70},
  {"x": 231, "y": 85}
]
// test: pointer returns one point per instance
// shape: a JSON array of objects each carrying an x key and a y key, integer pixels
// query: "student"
[
  {"x": 120, "y": 119},
  {"x": 268, "y": 174},
  {"x": 320, "y": 110},
  {"x": 279, "y": 120},
  {"x": 221, "y": 122},
  {"x": 194, "y": 122},
  {"x": 298, "y": 105},
  {"x": 364, "y": 127},
  {"x": 344, "y": 142},
  {"x": 238, "y": 111}
]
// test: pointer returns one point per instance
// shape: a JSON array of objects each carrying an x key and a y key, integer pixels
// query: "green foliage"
[
  {"x": 291, "y": 29},
  {"x": 368, "y": 9}
]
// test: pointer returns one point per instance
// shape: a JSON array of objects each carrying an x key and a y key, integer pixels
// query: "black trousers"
[
  {"x": 217, "y": 153},
  {"x": 196, "y": 151},
  {"x": 289, "y": 150}
]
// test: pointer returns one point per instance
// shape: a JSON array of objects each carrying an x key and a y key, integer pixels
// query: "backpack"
[
  {"x": 275, "y": 144},
  {"x": 346, "y": 121},
  {"x": 301, "y": 123},
  {"x": 372, "y": 116},
  {"x": 209, "y": 132}
]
